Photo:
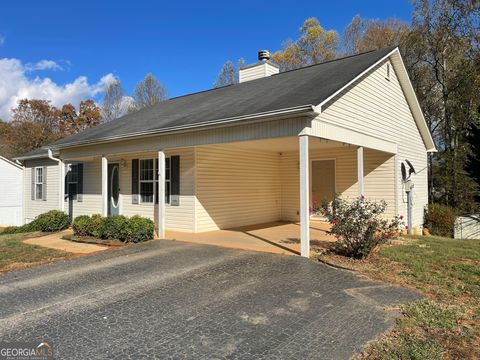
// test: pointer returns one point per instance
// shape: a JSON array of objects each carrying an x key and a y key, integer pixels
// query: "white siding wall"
[
  {"x": 378, "y": 172},
  {"x": 34, "y": 208},
  {"x": 11, "y": 194},
  {"x": 377, "y": 106},
  {"x": 236, "y": 187}
]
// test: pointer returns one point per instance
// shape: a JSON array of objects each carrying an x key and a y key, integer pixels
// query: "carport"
[{"x": 280, "y": 237}]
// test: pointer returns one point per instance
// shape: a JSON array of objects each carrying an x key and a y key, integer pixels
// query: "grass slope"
[{"x": 14, "y": 254}]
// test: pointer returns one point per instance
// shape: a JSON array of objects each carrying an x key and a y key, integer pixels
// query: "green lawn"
[
  {"x": 14, "y": 254},
  {"x": 444, "y": 325}
]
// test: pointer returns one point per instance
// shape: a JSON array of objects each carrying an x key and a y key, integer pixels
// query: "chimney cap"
[{"x": 264, "y": 55}]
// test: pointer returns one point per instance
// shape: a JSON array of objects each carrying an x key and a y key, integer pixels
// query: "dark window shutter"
[
  {"x": 135, "y": 179},
  {"x": 156, "y": 182},
  {"x": 33, "y": 183},
  {"x": 44, "y": 178},
  {"x": 80, "y": 182},
  {"x": 175, "y": 180},
  {"x": 65, "y": 190}
]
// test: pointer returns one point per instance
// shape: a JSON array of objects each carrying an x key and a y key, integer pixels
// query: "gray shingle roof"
[{"x": 306, "y": 86}]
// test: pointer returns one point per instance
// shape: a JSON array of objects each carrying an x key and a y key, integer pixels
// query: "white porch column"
[
  {"x": 61, "y": 191},
  {"x": 361, "y": 191},
  {"x": 104, "y": 185},
  {"x": 304, "y": 197},
  {"x": 161, "y": 194}
]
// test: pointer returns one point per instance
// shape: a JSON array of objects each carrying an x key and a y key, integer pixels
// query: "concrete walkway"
[{"x": 55, "y": 241}]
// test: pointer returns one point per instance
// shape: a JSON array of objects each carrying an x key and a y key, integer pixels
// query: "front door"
[
  {"x": 113, "y": 189},
  {"x": 323, "y": 180}
]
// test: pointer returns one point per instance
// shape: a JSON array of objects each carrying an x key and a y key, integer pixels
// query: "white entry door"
[{"x": 323, "y": 180}]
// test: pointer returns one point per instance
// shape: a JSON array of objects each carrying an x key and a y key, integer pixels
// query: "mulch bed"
[{"x": 94, "y": 240}]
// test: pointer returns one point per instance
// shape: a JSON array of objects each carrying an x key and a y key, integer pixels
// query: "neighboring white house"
[
  {"x": 11, "y": 193},
  {"x": 251, "y": 153}
]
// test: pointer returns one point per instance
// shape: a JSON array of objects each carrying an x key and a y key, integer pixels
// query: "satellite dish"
[
  {"x": 411, "y": 169},
  {"x": 404, "y": 172}
]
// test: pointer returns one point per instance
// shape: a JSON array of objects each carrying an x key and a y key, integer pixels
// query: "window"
[
  {"x": 72, "y": 182},
  {"x": 38, "y": 183},
  {"x": 148, "y": 179},
  {"x": 387, "y": 76}
]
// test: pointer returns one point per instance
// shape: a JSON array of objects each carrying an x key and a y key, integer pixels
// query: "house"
[
  {"x": 11, "y": 193},
  {"x": 251, "y": 153}
]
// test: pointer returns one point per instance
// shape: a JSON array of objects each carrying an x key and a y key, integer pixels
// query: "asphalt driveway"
[{"x": 165, "y": 299}]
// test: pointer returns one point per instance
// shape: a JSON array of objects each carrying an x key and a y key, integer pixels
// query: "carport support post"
[
  {"x": 360, "y": 171},
  {"x": 304, "y": 198},
  {"x": 104, "y": 186},
  {"x": 161, "y": 194}
]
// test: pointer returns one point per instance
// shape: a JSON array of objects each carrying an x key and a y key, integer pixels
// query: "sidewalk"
[{"x": 55, "y": 241}]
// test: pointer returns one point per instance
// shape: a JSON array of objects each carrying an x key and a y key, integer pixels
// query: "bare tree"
[
  {"x": 113, "y": 104},
  {"x": 148, "y": 92},
  {"x": 228, "y": 75}
]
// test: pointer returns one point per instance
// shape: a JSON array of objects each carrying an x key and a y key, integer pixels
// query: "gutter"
[
  {"x": 50, "y": 156},
  {"x": 297, "y": 110}
]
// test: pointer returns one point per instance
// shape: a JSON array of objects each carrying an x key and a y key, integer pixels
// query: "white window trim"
[
  {"x": 154, "y": 181},
  {"x": 39, "y": 183}
]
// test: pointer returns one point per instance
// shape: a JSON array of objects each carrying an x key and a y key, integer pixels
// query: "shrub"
[
  {"x": 358, "y": 225},
  {"x": 95, "y": 225},
  {"x": 51, "y": 221},
  {"x": 119, "y": 227},
  {"x": 82, "y": 225},
  {"x": 114, "y": 227},
  {"x": 141, "y": 229},
  {"x": 440, "y": 220}
]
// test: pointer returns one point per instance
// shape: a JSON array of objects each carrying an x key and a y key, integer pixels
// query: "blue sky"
[{"x": 183, "y": 44}]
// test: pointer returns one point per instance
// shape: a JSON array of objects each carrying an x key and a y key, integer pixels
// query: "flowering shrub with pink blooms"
[{"x": 358, "y": 225}]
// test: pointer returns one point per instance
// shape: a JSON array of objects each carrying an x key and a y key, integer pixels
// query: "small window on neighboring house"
[
  {"x": 387, "y": 76},
  {"x": 38, "y": 183},
  {"x": 148, "y": 179},
  {"x": 72, "y": 181}
]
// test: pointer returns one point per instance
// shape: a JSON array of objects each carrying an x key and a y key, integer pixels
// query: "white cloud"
[
  {"x": 16, "y": 85},
  {"x": 43, "y": 65},
  {"x": 2, "y": 39}
]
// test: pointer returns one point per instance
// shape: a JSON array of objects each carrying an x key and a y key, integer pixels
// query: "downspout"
[{"x": 61, "y": 170}]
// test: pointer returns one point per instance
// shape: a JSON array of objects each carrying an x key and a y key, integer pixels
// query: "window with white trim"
[
  {"x": 72, "y": 181},
  {"x": 148, "y": 180},
  {"x": 39, "y": 183}
]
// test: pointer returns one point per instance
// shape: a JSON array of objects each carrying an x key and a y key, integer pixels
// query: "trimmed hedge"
[
  {"x": 134, "y": 229},
  {"x": 50, "y": 221},
  {"x": 440, "y": 220}
]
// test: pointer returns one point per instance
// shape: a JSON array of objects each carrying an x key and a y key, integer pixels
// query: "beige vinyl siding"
[
  {"x": 179, "y": 218},
  {"x": 379, "y": 178},
  {"x": 377, "y": 107},
  {"x": 236, "y": 187},
  {"x": 33, "y": 208},
  {"x": 92, "y": 190}
]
